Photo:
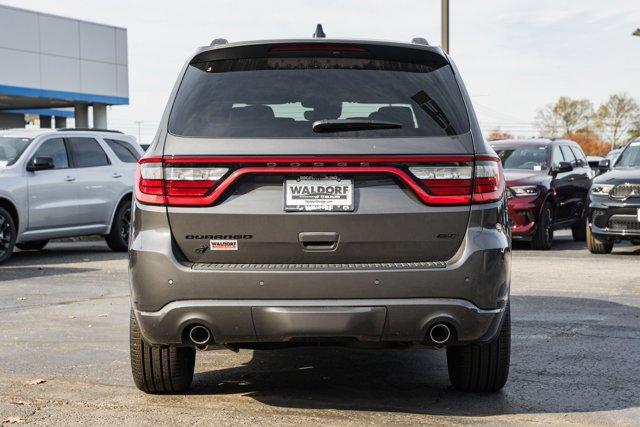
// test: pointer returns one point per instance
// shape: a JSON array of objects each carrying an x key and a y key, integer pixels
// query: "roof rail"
[{"x": 87, "y": 130}]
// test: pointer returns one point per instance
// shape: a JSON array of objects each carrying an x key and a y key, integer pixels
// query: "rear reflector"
[{"x": 437, "y": 181}]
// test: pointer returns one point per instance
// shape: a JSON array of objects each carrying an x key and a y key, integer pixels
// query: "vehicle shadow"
[
  {"x": 63, "y": 253},
  {"x": 21, "y": 273},
  {"x": 564, "y": 243},
  {"x": 568, "y": 355}
]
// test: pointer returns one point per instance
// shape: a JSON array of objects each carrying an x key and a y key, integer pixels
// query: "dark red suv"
[{"x": 548, "y": 181}]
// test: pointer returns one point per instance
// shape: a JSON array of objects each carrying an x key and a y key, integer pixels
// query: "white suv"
[{"x": 64, "y": 183}]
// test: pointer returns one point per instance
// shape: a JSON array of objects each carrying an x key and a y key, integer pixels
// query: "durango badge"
[{"x": 224, "y": 245}]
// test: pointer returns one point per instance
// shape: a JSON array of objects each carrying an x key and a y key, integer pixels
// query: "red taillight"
[
  {"x": 488, "y": 183},
  {"x": 163, "y": 183},
  {"x": 450, "y": 184},
  {"x": 463, "y": 184},
  {"x": 436, "y": 180}
]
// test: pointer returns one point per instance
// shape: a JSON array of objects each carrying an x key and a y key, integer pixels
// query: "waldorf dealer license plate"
[{"x": 309, "y": 194}]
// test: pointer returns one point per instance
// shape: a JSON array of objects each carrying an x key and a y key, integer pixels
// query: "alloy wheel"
[
  {"x": 548, "y": 226},
  {"x": 125, "y": 225},
  {"x": 5, "y": 235}
]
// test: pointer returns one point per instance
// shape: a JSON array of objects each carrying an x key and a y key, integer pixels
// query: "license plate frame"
[{"x": 318, "y": 194}]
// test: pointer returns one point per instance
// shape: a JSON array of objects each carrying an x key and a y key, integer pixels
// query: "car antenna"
[{"x": 319, "y": 34}]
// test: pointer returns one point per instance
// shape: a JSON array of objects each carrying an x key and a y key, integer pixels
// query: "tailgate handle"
[{"x": 319, "y": 240}]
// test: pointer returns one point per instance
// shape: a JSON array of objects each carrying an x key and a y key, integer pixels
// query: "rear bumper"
[
  {"x": 366, "y": 302},
  {"x": 251, "y": 321}
]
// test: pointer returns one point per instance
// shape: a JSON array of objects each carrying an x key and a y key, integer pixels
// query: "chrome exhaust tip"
[
  {"x": 440, "y": 333},
  {"x": 199, "y": 335}
]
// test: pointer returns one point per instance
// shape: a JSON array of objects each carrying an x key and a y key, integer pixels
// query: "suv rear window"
[
  {"x": 87, "y": 153},
  {"x": 123, "y": 150},
  {"x": 283, "y": 97}
]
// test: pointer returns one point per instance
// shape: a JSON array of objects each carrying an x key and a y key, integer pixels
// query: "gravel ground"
[{"x": 575, "y": 358}]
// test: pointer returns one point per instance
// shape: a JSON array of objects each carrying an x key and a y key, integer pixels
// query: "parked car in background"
[
  {"x": 614, "y": 202},
  {"x": 612, "y": 156},
  {"x": 548, "y": 182},
  {"x": 287, "y": 203},
  {"x": 65, "y": 183},
  {"x": 594, "y": 163}
]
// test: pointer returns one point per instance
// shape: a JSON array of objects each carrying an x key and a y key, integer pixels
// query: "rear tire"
[
  {"x": 118, "y": 238},
  {"x": 543, "y": 236},
  {"x": 36, "y": 245},
  {"x": 482, "y": 367},
  {"x": 595, "y": 245},
  {"x": 8, "y": 234},
  {"x": 159, "y": 369},
  {"x": 579, "y": 231}
]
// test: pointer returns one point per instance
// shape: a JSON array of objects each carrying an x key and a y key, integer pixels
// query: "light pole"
[{"x": 444, "y": 25}]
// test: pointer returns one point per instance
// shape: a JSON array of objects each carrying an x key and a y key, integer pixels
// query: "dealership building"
[{"x": 54, "y": 68}]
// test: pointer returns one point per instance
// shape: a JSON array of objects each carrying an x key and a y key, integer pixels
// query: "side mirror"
[
  {"x": 563, "y": 167},
  {"x": 604, "y": 165},
  {"x": 40, "y": 164}
]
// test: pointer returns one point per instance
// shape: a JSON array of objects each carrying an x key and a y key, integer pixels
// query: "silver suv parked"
[
  {"x": 319, "y": 192},
  {"x": 65, "y": 183}
]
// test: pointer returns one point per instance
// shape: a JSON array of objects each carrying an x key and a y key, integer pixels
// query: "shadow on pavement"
[
  {"x": 568, "y": 355},
  {"x": 567, "y": 244},
  {"x": 64, "y": 253},
  {"x": 20, "y": 273}
]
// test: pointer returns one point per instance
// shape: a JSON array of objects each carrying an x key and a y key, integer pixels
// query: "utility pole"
[
  {"x": 444, "y": 25},
  {"x": 139, "y": 123}
]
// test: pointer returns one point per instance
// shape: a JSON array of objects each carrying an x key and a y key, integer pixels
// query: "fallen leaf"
[
  {"x": 36, "y": 381},
  {"x": 14, "y": 419},
  {"x": 21, "y": 402}
]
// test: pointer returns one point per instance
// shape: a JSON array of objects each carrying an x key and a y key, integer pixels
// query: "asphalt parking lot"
[{"x": 575, "y": 358}]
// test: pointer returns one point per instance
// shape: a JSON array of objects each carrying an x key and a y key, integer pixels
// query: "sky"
[{"x": 515, "y": 56}]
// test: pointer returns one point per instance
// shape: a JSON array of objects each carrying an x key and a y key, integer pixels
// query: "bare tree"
[
  {"x": 497, "y": 134},
  {"x": 634, "y": 132},
  {"x": 616, "y": 118},
  {"x": 565, "y": 116}
]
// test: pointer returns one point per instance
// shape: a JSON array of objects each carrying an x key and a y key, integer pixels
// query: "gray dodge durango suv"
[
  {"x": 65, "y": 183},
  {"x": 319, "y": 191}
]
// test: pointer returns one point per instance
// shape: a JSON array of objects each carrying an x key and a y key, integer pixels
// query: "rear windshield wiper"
[
  {"x": 347, "y": 125},
  {"x": 431, "y": 107}
]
